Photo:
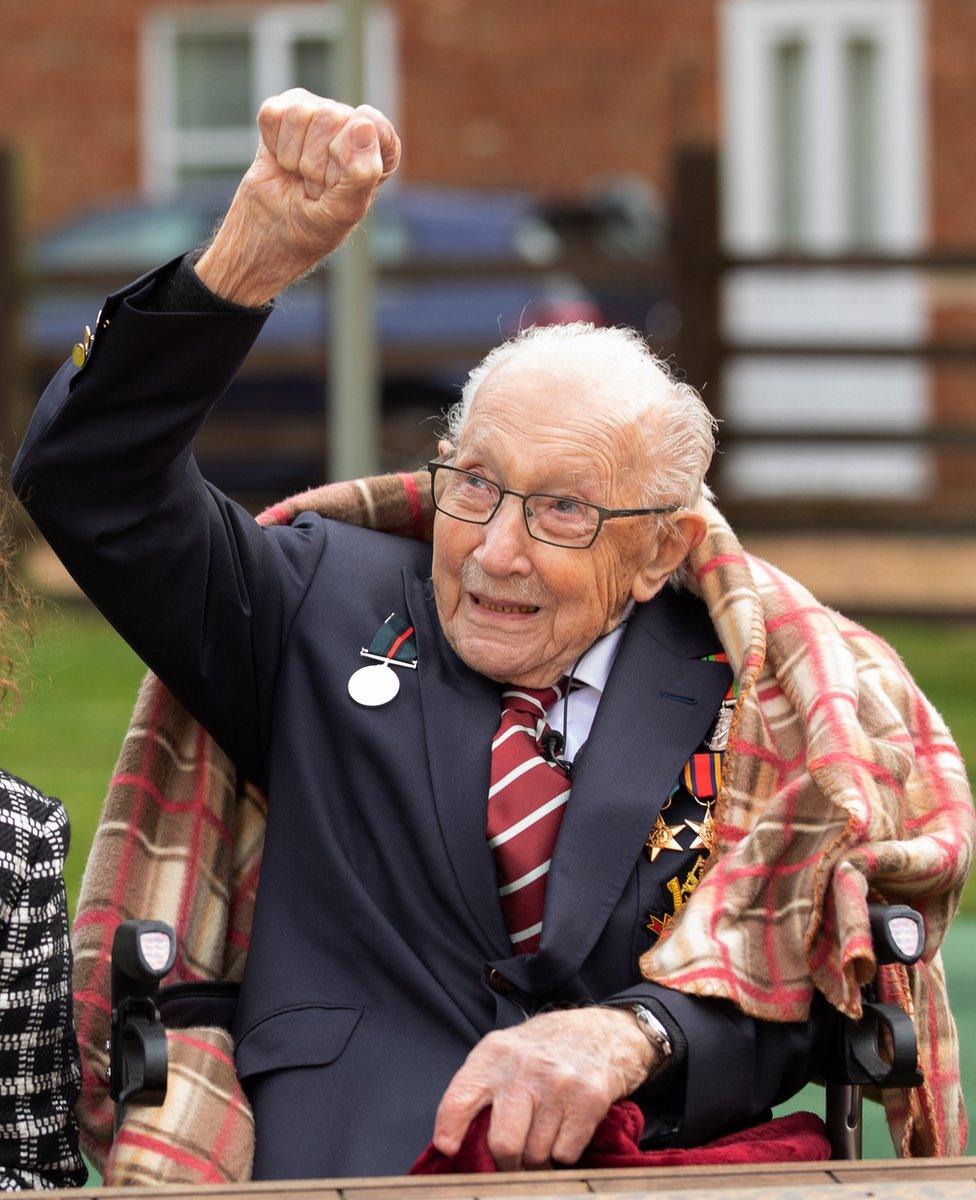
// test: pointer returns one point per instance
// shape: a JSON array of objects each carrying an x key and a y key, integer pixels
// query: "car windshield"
[{"x": 124, "y": 237}]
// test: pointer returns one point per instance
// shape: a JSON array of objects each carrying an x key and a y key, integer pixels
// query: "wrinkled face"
[{"x": 513, "y": 608}]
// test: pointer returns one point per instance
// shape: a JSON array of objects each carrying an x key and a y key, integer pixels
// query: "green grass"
[
  {"x": 67, "y": 734},
  {"x": 77, "y": 701}
]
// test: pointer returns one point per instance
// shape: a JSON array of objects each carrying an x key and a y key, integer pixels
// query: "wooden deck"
[{"x": 919, "y": 1179}]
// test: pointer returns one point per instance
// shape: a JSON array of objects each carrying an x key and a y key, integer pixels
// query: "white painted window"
[
  {"x": 823, "y": 152},
  {"x": 206, "y": 71},
  {"x": 824, "y": 121}
]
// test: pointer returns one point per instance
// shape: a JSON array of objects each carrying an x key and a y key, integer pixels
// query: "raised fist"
[{"x": 316, "y": 171}]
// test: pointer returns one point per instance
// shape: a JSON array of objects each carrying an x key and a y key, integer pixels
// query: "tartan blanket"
[{"x": 841, "y": 784}]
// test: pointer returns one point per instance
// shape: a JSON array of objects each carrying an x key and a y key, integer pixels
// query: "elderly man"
[{"x": 424, "y": 944}]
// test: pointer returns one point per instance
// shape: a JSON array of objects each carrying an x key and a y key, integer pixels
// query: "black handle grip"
[
  {"x": 143, "y": 953},
  {"x": 882, "y": 1026},
  {"x": 144, "y": 1062},
  {"x": 898, "y": 933}
]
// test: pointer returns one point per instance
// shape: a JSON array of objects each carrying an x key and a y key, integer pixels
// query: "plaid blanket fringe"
[{"x": 841, "y": 784}]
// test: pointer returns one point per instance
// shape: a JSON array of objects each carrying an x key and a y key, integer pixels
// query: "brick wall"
[
  {"x": 952, "y": 179},
  {"x": 536, "y": 93},
  {"x": 550, "y": 93},
  {"x": 952, "y": 120},
  {"x": 542, "y": 94}
]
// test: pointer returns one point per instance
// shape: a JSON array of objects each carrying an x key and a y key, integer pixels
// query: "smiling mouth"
[{"x": 496, "y": 606}]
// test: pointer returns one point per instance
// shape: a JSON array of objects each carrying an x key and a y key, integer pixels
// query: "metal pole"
[{"x": 354, "y": 411}]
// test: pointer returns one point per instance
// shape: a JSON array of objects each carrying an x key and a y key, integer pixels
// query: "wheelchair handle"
[
  {"x": 143, "y": 953},
  {"x": 898, "y": 933}
]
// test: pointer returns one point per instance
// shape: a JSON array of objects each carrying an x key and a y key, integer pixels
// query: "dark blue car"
[{"x": 267, "y": 436}]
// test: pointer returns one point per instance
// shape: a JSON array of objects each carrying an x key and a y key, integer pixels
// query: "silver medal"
[
  {"x": 374, "y": 685},
  {"x": 720, "y": 735}
]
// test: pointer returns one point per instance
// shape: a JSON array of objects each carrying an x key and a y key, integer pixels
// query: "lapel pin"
[{"x": 395, "y": 645}]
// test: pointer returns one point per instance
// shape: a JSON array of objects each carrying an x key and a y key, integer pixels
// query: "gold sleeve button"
[{"x": 81, "y": 350}]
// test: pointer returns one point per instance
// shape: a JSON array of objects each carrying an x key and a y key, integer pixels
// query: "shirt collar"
[{"x": 593, "y": 668}]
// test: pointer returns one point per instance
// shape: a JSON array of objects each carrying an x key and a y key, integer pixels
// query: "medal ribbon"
[
  {"x": 722, "y": 657},
  {"x": 395, "y": 640},
  {"x": 702, "y": 775}
]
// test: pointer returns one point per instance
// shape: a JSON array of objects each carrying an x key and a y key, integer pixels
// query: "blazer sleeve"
[
  {"x": 727, "y": 1070},
  {"x": 40, "y": 1070},
  {"x": 202, "y": 593}
]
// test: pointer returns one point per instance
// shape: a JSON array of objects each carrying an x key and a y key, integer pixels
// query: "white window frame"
[
  {"x": 165, "y": 148},
  {"x": 750, "y": 30}
]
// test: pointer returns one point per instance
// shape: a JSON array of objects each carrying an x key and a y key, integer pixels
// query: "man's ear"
[
  {"x": 444, "y": 447},
  {"x": 674, "y": 544}
]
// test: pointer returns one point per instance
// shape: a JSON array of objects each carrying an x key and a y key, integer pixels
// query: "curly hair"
[{"x": 16, "y": 613}]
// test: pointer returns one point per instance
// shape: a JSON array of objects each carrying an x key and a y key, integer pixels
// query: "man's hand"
[
  {"x": 550, "y": 1082},
  {"x": 314, "y": 176}
]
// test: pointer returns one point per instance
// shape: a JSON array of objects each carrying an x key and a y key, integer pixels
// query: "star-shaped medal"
[
  {"x": 704, "y": 832},
  {"x": 662, "y": 837}
]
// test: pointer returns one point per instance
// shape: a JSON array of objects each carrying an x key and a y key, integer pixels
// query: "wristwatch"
[{"x": 652, "y": 1029}]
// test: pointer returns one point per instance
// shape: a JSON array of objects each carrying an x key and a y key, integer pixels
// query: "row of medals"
[{"x": 664, "y": 836}]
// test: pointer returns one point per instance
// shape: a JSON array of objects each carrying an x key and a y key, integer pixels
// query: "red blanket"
[{"x": 800, "y": 1137}]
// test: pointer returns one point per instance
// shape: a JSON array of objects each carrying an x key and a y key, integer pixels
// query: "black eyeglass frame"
[{"x": 603, "y": 514}]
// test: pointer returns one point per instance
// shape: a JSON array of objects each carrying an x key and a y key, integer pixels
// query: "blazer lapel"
[
  {"x": 460, "y": 716},
  {"x": 659, "y": 704}
]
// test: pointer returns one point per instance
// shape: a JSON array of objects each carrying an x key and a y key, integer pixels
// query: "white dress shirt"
[{"x": 592, "y": 672}]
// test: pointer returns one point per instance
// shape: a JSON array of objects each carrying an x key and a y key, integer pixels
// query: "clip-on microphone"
[
  {"x": 552, "y": 746},
  {"x": 553, "y": 742}
]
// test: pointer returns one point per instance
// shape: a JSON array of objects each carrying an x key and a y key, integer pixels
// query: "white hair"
[{"x": 681, "y": 433}]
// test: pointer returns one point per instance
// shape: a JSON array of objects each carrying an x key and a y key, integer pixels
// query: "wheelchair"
[{"x": 877, "y": 1051}]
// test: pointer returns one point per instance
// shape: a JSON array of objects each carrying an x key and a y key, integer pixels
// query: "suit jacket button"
[{"x": 498, "y": 983}]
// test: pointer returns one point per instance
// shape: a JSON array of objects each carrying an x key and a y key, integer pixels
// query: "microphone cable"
[{"x": 554, "y": 742}]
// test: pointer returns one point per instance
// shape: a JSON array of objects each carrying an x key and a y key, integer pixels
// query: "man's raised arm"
[
  {"x": 106, "y": 469},
  {"x": 313, "y": 178}
]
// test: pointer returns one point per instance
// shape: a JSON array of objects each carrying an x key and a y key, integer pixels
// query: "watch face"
[{"x": 654, "y": 1031}]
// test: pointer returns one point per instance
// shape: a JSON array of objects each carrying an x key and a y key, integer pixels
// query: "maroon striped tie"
[{"x": 526, "y": 802}]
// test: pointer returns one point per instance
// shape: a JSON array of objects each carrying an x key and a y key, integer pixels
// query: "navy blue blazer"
[{"x": 379, "y": 954}]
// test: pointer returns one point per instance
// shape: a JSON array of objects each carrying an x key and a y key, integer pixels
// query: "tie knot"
[{"x": 535, "y": 702}]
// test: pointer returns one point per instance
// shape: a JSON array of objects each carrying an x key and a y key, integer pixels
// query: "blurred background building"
[{"x": 777, "y": 192}]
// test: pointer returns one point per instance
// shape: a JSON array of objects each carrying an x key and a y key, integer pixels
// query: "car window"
[{"x": 123, "y": 238}]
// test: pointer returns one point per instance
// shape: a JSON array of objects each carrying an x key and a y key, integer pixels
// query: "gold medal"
[
  {"x": 704, "y": 831},
  {"x": 662, "y": 837}
]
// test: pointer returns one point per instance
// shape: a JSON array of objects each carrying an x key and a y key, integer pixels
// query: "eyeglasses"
[{"x": 556, "y": 520}]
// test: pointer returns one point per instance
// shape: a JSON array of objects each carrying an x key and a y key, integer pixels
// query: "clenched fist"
[{"x": 316, "y": 171}]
